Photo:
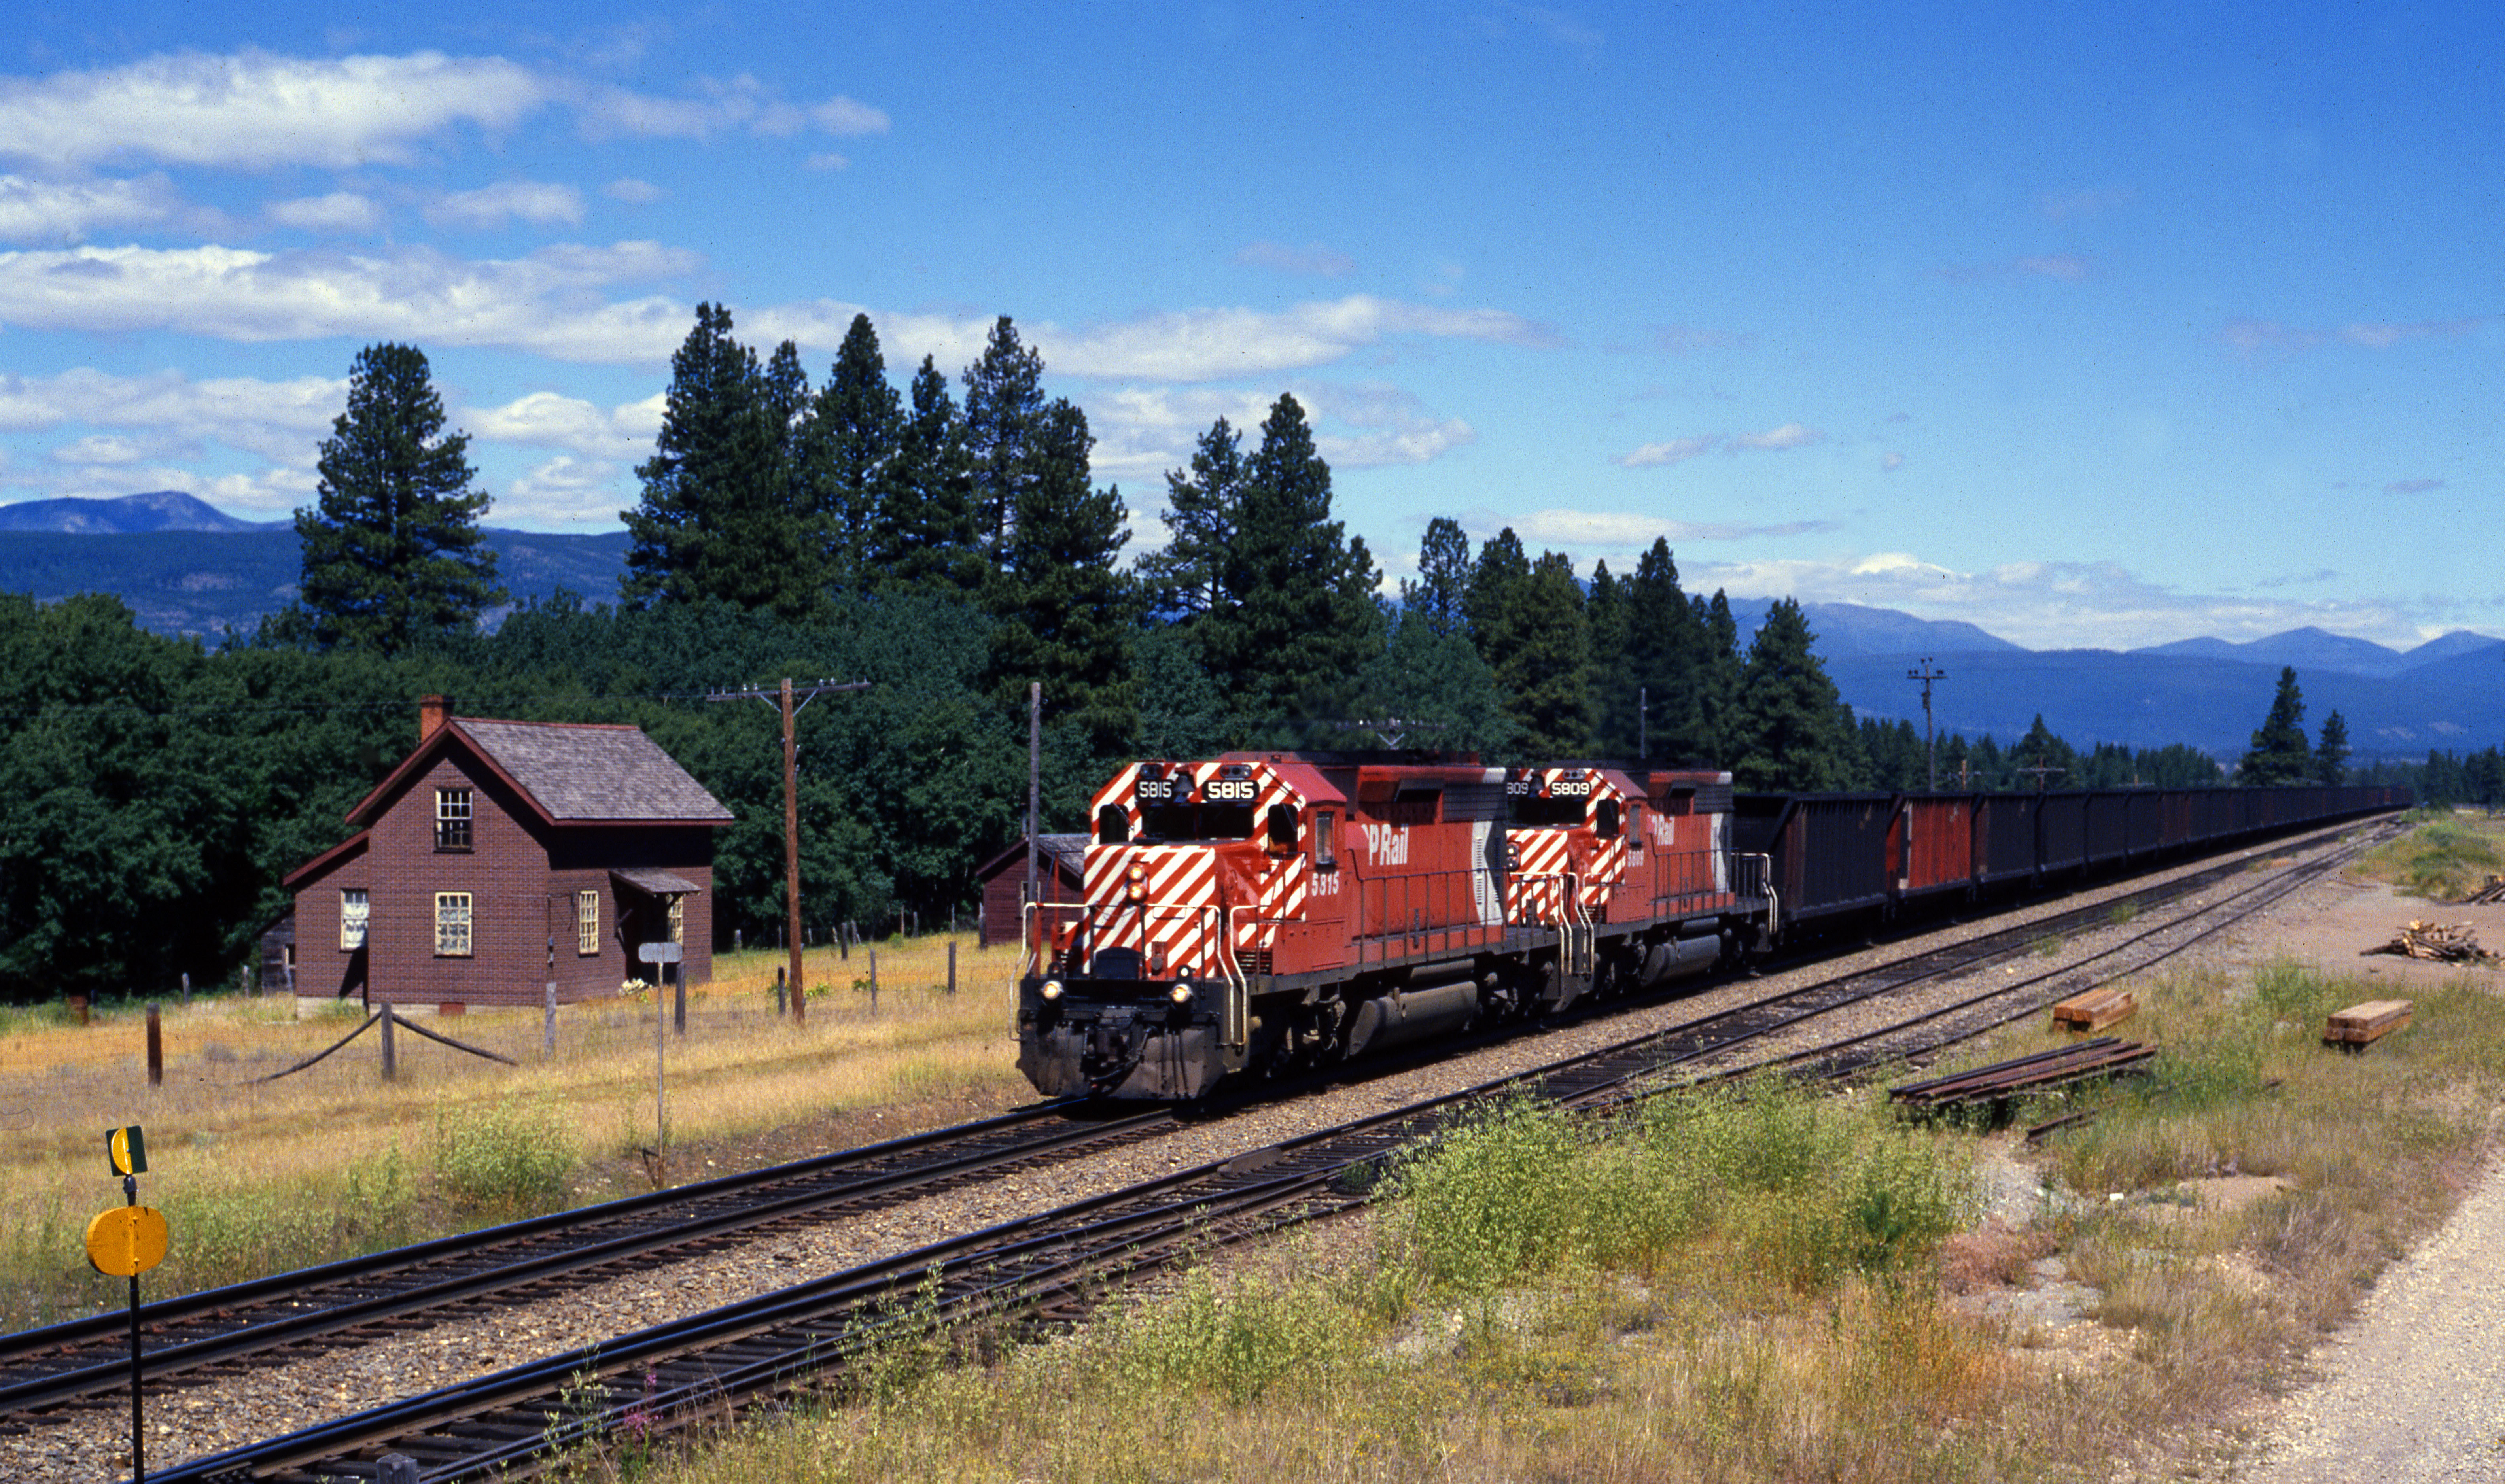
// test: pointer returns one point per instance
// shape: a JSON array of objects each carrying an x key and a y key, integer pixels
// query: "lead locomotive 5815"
[{"x": 1264, "y": 911}]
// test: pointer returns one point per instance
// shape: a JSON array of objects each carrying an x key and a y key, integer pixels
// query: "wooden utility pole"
[
  {"x": 1930, "y": 756},
  {"x": 792, "y": 813},
  {"x": 1034, "y": 779}
]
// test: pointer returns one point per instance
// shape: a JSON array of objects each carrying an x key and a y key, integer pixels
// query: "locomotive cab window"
[
  {"x": 1323, "y": 855},
  {"x": 1535, "y": 810},
  {"x": 1176, "y": 823},
  {"x": 1604, "y": 818},
  {"x": 1112, "y": 826},
  {"x": 1282, "y": 823}
]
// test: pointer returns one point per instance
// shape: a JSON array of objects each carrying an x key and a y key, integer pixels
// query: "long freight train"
[{"x": 1264, "y": 911}]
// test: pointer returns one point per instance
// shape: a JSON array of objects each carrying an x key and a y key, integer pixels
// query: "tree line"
[{"x": 948, "y": 543}]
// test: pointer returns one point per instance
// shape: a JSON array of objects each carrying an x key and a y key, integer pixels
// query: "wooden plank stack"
[
  {"x": 2362, "y": 1025},
  {"x": 2493, "y": 891},
  {"x": 2456, "y": 943},
  {"x": 2095, "y": 1009}
]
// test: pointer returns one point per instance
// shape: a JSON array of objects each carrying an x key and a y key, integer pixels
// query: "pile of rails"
[{"x": 2443, "y": 943}]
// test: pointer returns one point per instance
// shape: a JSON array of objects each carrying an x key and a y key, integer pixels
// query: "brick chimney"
[{"x": 430, "y": 715}]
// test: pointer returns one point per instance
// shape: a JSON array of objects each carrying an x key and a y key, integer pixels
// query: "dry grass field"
[{"x": 262, "y": 1176}]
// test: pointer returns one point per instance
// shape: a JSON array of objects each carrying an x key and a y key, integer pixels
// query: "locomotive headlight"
[
  {"x": 1181, "y": 994},
  {"x": 1051, "y": 989}
]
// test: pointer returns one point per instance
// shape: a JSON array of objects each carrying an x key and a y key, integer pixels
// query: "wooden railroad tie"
[
  {"x": 2447, "y": 943},
  {"x": 2095, "y": 1009},
  {"x": 2361, "y": 1024}
]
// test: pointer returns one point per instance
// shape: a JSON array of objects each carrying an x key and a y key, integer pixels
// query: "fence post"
[
  {"x": 391, "y": 1051},
  {"x": 778, "y": 989},
  {"x": 187, "y": 989},
  {"x": 547, "y": 1023},
  {"x": 843, "y": 943},
  {"x": 679, "y": 997},
  {"x": 873, "y": 981},
  {"x": 155, "y": 1048},
  {"x": 952, "y": 966}
]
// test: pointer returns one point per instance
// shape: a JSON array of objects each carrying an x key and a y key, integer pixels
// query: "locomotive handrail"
[{"x": 1766, "y": 875}]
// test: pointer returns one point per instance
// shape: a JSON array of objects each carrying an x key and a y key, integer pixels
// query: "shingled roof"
[{"x": 572, "y": 772}]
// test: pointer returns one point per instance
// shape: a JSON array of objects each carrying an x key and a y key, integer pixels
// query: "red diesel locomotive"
[{"x": 1266, "y": 910}]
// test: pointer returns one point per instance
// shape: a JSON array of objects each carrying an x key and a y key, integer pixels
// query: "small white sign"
[{"x": 661, "y": 953}]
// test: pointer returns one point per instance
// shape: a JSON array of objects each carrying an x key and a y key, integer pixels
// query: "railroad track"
[
  {"x": 521, "y": 1422},
  {"x": 202, "y": 1337}
]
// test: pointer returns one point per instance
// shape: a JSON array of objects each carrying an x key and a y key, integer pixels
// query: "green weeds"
[{"x": 509, "y": 1158}]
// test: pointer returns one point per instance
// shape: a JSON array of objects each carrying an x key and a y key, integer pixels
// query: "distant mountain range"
[{"x": 186, "y": 568}]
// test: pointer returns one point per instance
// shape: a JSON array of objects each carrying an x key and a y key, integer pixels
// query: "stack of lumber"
[
  {"x": 2493, "y": 891},
  {"x": 2095, "y": 1009},
  {"x": 2362, "y": 1024},
  {"x": 2453, "y": 945}
]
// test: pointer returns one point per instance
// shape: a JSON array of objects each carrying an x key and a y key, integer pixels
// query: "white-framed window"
[
  {"x": 679, "y": 920},
  {"x": 453, "y": 925},
  {"x": 586, "y": 921},
  {"x": 354, "y": 906},
  {"x": 1322, "y": 843},
  {"x": 452, "y": 819}
]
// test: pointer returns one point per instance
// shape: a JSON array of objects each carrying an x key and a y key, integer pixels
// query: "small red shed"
[
  {"x": 503, "y": 857},
  {"x": 1061, "y": 876}
]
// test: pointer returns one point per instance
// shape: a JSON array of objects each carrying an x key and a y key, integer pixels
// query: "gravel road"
[{"x": 2413, "y": 1389}]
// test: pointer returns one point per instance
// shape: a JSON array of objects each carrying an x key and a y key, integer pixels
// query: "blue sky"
[{"x": 2105, "y": 330}]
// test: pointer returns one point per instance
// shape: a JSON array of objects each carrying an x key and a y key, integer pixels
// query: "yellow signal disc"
[{"x": 127, "y": 1241}]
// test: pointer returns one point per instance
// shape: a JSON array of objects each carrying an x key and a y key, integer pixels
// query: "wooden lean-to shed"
[
  {"x": 1061, "y": 876},
  {"x": 502, "y": 857}
]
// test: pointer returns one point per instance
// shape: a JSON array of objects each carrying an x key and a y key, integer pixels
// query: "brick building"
[{"x": 502, "y": 856}]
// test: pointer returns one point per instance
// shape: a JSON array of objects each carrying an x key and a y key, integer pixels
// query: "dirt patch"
[{"x": 2333, "y": 928}]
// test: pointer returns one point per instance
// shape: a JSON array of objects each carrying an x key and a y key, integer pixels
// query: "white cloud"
[
  {"x": 53, "y": 211},
  {"x": 1634, "y": 531},
  {"x": 1892, "y": 462},
  {"x": 2256, "y": 338},
  {"x": 829, "y": 160},
  {"x": 633, "y": 191},
  {"x": 339, "y": 211},
  {"x": 569, "y": 490},
  {"x": 278, "y": 420},
  {"x": 1394, "y": 426},
  {"x": 2051, "y": 604},
  {"x": 1313, "y": 258},
  {"x": 1680, "y": 450},
  {"x": 490, "y": 207},
  {"x": 840, "y": 114},
  {"x": 548, "y": 301},
  {"x": 550, "y": 420},
  {"x": 254, "y": 110},
  {"x": 1790, "y": 435},
  {"x": 1677, "y": 450}
]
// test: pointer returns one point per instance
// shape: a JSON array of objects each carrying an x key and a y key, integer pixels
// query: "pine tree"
[
  {"x": 847, "y": 456},
  {"x": 2280, "y": 752},
  {"x": 717, "y": 521},
  {"x": 924, "y": 538},
  {"x": 1665, "y": 643},
  {"x": 1444, "y": 579},
  {"x": 2040, "y": 748},
  {"x": 1788, "y": 724},
  {"x": 2331, "y": 756},
  {"x": 1005, "y": 405},
  {"x": 1501, "y": 564},
  {"x": 1542, "y": 652},
  {"x": 1204, "y": 507},
  {"x": 1439, "y": 682},
  {"x": 1065, "y": 613},
  {"x": 391, "y": 549},
  {"x": 1304, "y": 621},
  {"x": 1719, "y": 679},
  {"x": 1612, "y": 682}
]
